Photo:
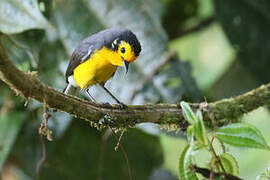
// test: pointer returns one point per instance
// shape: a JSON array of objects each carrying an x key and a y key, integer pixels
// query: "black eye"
[{"x": 123, "y": 50}]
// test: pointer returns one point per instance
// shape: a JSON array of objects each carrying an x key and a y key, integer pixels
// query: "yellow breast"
[{"x": 95, "y": 70}]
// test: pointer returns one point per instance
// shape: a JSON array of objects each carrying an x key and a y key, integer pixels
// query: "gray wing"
[{"x": 83, "y": 52}]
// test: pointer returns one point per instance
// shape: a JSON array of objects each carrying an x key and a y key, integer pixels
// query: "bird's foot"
[
  {"x": 122, "y": 105},
  {"x": 107, "y": 105}
]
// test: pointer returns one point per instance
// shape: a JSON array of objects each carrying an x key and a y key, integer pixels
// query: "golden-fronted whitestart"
[{"x": 98, "y": 56}]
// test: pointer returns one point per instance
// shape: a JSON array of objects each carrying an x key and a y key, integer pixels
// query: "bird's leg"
[
  {"x": 93, "y": 99},
  {"x": 89, "y": 95},
  {"x": 120, "y": 103}
]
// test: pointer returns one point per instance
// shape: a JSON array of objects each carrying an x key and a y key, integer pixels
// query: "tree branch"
[
  {"x": 202, "y": 24},
  {"x": 28, "y": 86}
]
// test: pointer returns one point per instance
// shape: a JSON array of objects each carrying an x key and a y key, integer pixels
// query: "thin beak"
[{"x": 125, "y": 64}]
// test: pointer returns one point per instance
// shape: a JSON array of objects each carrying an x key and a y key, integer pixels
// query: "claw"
[
  {"x": 123, "y": 106},
  {"x": 107, "y": 105}
]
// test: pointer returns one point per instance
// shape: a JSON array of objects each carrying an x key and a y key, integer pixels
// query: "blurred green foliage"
[
  {"x": 228, "y": 57},
  {"x": 8, "y": 132},
  {"x": 177, "y": 13},
  {"x": 82, "y": 153},
  {"x": 247, "y": 25}
]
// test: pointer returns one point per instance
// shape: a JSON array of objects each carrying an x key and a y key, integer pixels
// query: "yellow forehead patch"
[{"x": 128, "y": 53}]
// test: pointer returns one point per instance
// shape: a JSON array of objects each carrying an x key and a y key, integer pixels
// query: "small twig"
[
  {"x": 153, "y": 73},
  {"x": 43, "y": 158},
  {"x": 222, "y": 146},
  {"x": 119, "y": 139},
  {"x": 212, "y": 171},
  {"x": 207, "y": 173},
  {"x": 124, "y": 152},
  {"x": 202, "y": 24},
  {"x": 212, "y": 140},
  {"x": 216, "y": 156},
  {"x": 43, "y": 129}
]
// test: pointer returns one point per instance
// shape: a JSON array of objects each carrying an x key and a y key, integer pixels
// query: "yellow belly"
[{"x": 96, "y": 70}]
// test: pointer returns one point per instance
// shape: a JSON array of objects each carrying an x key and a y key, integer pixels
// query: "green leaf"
[
  {"x": 229, "y": 163},
  {"x": 199, "y": 129},
  {"x": 184, "y": 165},
  {"x": 187, "y": 112},
  {"x": 242, "y": 135},
  {"x": 17, "y": 16},
  {"x": 199, "y": 115},
  {"x": 190, "y": 134},
  {"x": 10, "y": 124}
]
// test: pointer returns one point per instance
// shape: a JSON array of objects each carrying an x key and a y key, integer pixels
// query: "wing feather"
[{"x": 82, "y": 53}]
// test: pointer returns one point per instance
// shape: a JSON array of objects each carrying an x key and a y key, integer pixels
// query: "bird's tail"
[{"x": 69, "y": 89}]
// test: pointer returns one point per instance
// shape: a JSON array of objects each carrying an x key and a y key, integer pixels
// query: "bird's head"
[{"x": 127, "y": 47}]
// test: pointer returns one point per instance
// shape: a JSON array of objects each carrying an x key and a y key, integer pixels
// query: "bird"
[{"x": 97, "y": 57}]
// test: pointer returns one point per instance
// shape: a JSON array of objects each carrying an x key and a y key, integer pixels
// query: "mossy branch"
[{"x": 217, "y": 113}]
